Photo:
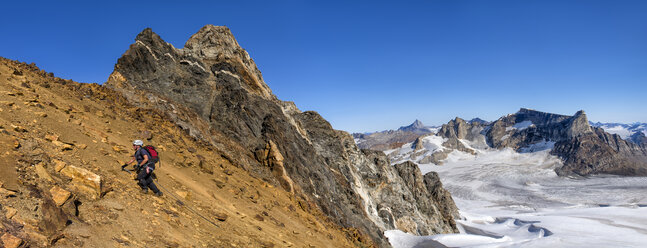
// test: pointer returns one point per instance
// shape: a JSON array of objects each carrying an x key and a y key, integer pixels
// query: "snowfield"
[{"x": 511, "y": 199}]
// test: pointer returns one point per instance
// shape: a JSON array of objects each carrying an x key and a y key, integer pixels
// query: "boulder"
[{"x": 86, "y": 182}]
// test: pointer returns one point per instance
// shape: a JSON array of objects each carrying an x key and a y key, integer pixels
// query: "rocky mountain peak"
[
  {"x": 152, "y": 42},
  {"x": 416, "y": 127},
  {"x": 526, "y": 110},
  {"x": 456, "y": 128},
  {"x": 147, "y": 35},
  {"x": 538, "y": 117},
  {"x": 478, "y": 120},
  {"x": 578, "y": 125},
  {"x": 211, "y": 61},
  {"x": 417, "y": 124},
  {"x": 211, "y": 41}
]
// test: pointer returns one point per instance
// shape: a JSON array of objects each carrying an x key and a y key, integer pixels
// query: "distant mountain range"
[
  {"x": 585, "y": 148},
  {"x": 390, "y": 139},
  {"x": 634, "y": 132}
]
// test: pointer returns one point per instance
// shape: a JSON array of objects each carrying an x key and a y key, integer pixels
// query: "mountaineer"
[{"x": 144, "y": 168}]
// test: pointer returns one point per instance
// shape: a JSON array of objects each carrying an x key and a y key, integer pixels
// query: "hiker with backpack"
[{"x": 146, "y": 157}]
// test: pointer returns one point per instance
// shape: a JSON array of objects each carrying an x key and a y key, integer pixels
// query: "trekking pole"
[{"x": 123, "y": 168}]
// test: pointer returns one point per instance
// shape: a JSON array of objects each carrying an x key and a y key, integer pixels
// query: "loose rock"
[
  {"x": 59, "y": 195},
  {"x": 11, "y": 241},
  {"x": 58, "y": 165},
  {"x": 221, "y": 216},
  {"x": 10, "y": 212},
  {"x": 42, "y": 172}
]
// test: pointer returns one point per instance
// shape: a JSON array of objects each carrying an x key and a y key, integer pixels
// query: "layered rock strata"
[{"x": 212, "y": 88}]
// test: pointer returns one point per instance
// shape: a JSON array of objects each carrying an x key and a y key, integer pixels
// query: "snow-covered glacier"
[{"x": 515, "y": 199}]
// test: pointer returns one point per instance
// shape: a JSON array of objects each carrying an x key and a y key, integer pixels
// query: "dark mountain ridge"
[
  {"x": 212, "y": 88},
  {"x": 584, "y": 149}
]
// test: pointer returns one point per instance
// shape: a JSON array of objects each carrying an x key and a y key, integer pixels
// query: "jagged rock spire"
[{"x": 211, "y": 51}]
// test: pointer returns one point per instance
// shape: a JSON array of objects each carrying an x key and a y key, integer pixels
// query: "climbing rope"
[
  {"x": 178, "y": 201},
  {"x": 181, "y": 203}
]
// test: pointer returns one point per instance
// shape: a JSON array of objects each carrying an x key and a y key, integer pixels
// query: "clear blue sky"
[{"x": 370, "y": 65}]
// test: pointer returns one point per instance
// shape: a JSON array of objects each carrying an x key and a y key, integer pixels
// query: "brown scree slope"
[{"x": 47, "y": 123}]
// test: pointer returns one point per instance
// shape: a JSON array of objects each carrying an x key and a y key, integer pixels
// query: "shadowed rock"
[
  {"x": 584, "y": 149},
  {"x": 212, "y": 88}
]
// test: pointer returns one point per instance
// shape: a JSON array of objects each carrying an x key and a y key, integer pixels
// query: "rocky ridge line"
[
  {"x": 212, "y": 89},
  {"x": 392, "y": 139},
  {"x": 584, "y": 149}
]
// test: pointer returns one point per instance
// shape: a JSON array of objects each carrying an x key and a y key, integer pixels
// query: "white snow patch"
[
  {"x": 433, "y": 129},
  {"x": 433, "y": 142},
  {"x": 540, "y": 146},
  {"x": 430, "y": 143},
  {"x": 520, "y": 126},
  {"x": 400, "y": 239}
]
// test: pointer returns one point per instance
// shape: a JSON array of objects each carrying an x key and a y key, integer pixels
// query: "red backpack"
[{"x": 153, "y": 152}]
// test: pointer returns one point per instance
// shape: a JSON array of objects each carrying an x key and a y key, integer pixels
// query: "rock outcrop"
[
  {"x": 458, "y": 129},
  {"x": 601, "y": 152},
  {"x": 212, "y": 88}
]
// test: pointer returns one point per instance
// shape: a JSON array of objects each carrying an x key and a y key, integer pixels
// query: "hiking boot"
[
  {"x": 159, "y": 193},
  {"x": 144, "y": 191}
]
